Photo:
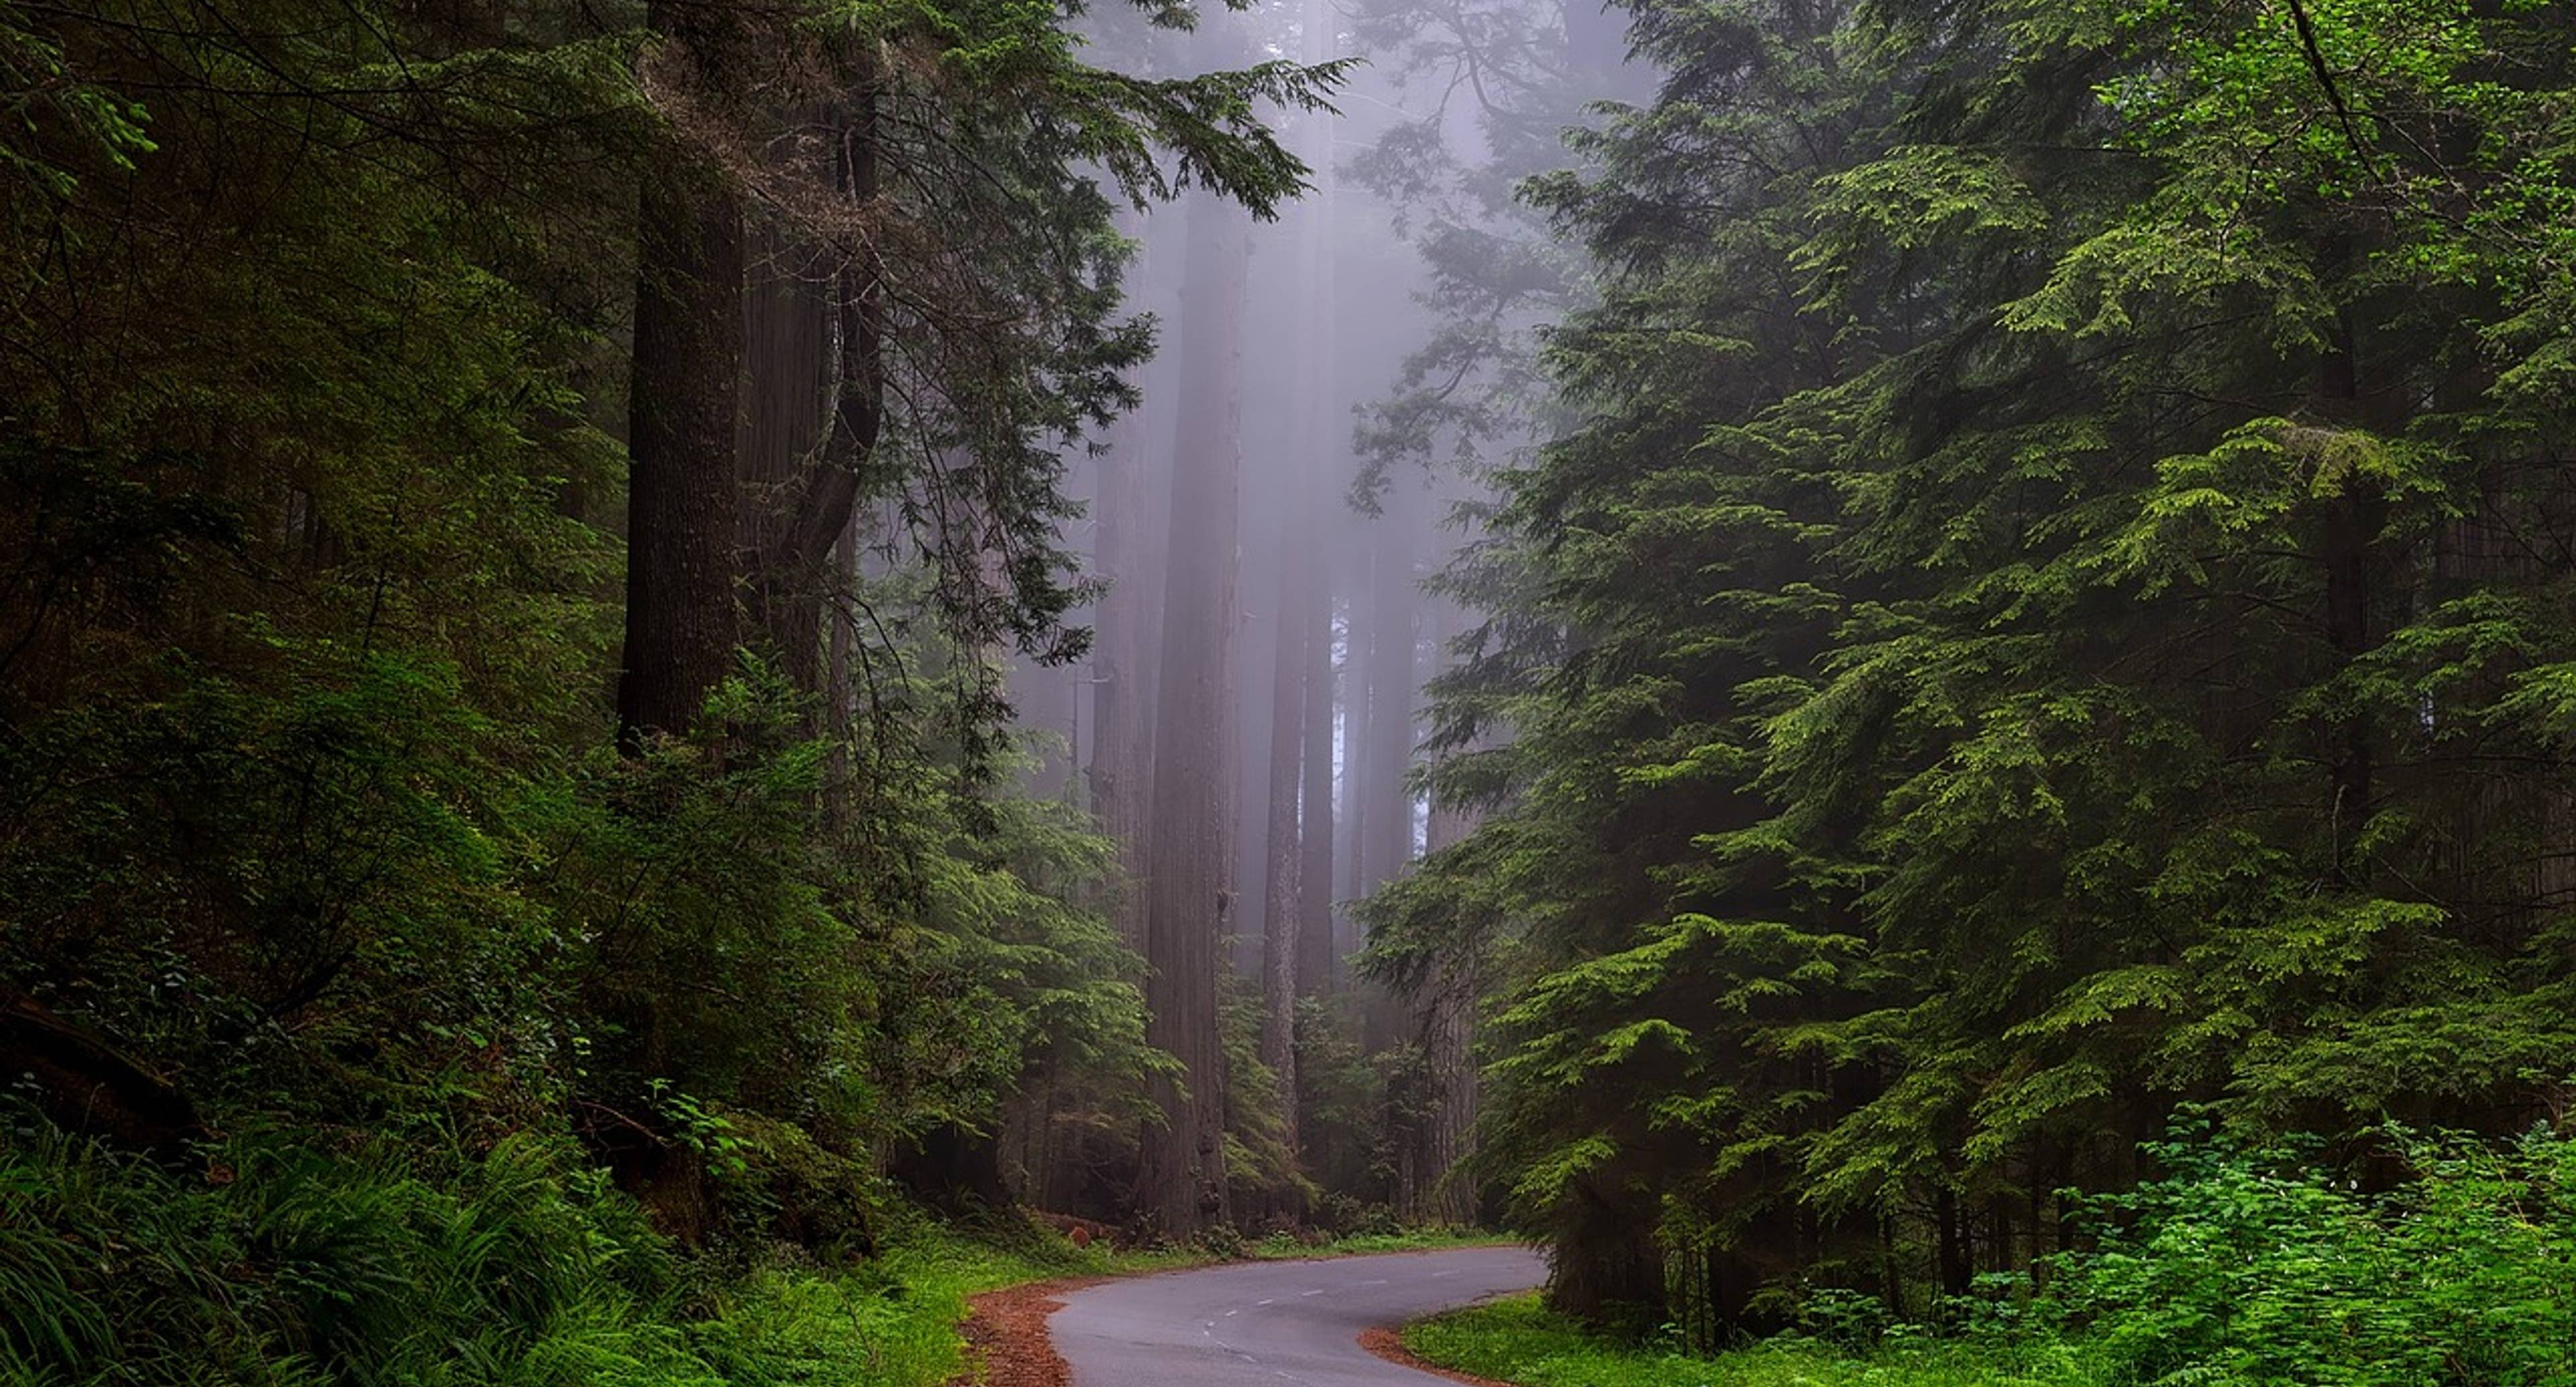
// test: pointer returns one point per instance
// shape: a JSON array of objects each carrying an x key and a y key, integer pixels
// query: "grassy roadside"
[
  {"x": 1279, "y": 1247},
  {"x": 896, "y": 1321},
  {"x": 271, "y": 1261},
  {"x": 1518, "y": 1342}
]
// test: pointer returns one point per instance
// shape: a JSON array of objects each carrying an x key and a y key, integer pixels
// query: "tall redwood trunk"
[
  {"x": 1183, "y": 1167},
  {"x": 1385, "y": 804},
  {"x": 1119, "y": 777},
  {"x": 1384, "y": 835},
  {"x": 1318, "y": 961},
  {"x": 1281, "y": 913},
  {"x": 1300, "y": 765},
  {"x": 684, "y": 396},
  {"x": 815, "y": 509},
  {"x": 1447, "y": 1033}
]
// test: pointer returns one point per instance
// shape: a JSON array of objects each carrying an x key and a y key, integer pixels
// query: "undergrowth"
[
  {"x": 2241, "y": 1267},
  {"x": 266, "y": 1262}
]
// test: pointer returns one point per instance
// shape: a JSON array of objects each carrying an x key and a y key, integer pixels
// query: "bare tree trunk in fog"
[
  {"x": 1300, "y": 761},
  {"x": 1316, "y": 959},
  {"x": 684, "y": 398},
  {"x": 1281, "y": 913},
  {"x": 1183, "y": 1162},
  {"x": 1121, "y": 705},
  {"x": 1385, "y": 804},
  {"x": 1384, "y": 835}
]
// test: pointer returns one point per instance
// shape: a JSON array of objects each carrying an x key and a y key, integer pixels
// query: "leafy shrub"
[{"x": 2250, "y": 1266}]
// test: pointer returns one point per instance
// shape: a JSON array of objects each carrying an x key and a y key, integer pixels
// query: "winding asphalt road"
[{"x": 1262, "y": 1324}]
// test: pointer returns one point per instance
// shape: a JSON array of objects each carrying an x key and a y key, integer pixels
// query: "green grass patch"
[
  {"x": 1285, "y": 1247},
  {"x": 1518, "y": 1341},
  {"x": 892, "y": 1322}
]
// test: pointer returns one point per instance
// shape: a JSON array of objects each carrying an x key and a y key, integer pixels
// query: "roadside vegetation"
[
  {"x": 281, "y": 1264},
  {"x": 2239, "y": 1266},
  {"x": 268, "y": 1261}
]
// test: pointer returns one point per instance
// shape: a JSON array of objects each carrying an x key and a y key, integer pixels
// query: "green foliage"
[
  {"x": 271, "y": 1260},
  {"x": 891, "y": 1323},
  {"x": 2236, "y": 1266},
  {"x": 278, "y": 1260},
  {"x": 2043, "y": 616},
  {"x": 308, "y": 803},
  {"x": 2241, "y": 1265}
]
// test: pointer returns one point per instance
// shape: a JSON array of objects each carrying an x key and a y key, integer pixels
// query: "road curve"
[{"x": 1263, "y": 1324}]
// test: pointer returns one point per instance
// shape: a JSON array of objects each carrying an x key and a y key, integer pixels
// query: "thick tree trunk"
[
  {"x": 1385, "y": 805},
  {"x": 684, "y": 397},
  {"x": 810, "y": 512},
  {"x": 1122, "y": 709},
  {"x": 1183, "y": 1168},
  {"x": 1607, "y": 1270},
  {"x": 1448, "y": 1037},
  {"x": 1281, "y": 913},
  {"x": 840, "y": 681},
  {"x": 1318, "y": 962},
  {"x": 1126, "y": 551},
  {"x": 1385, "y": 829},
  {"x": 1300, "y": 761}
]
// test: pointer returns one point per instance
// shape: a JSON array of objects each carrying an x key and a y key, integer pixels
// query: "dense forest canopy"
[
  {"x": 1813, "y": 650},
  {"x": 2049, "y": 608}
]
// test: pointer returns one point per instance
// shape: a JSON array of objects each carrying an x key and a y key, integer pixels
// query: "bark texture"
[
  {"x": 685, "y": 394},
  {"x": 812, "y": 505},
  {"x": 1183, "y": 1168}
]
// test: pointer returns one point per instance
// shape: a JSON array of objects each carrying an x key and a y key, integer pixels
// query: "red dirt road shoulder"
[{"x": 1006, "y": 1335}]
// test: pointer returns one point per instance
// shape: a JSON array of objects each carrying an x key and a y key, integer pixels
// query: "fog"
[{"x": 1330, "y": 391}]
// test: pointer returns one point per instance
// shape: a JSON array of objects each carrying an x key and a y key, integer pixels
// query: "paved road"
[{"x": 1261, "y": 1324}]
